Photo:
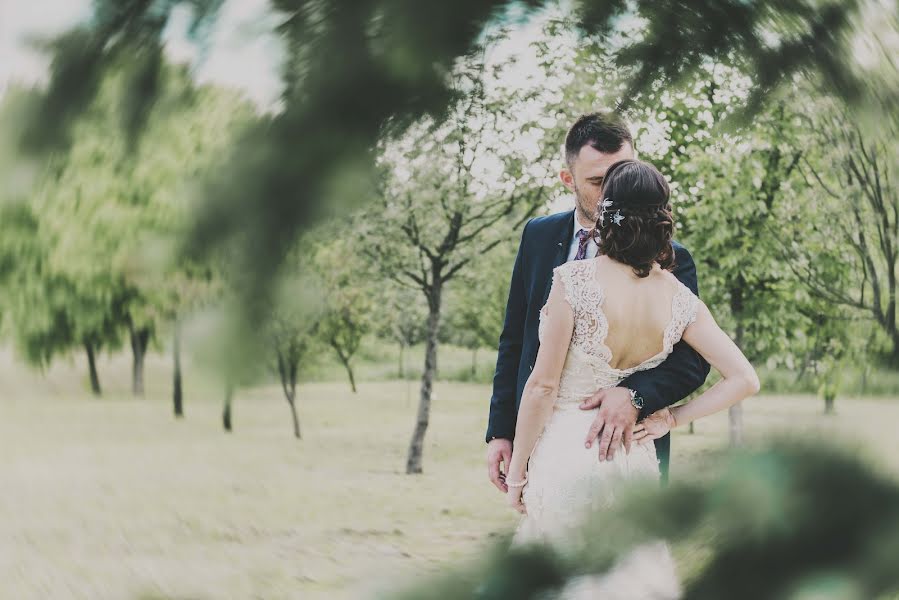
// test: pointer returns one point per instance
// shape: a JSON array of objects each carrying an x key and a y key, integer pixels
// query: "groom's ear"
[{"x": 567, "y": 178}]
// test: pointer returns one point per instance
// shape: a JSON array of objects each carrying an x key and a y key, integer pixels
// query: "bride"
[{"x": 605, "y": 319}]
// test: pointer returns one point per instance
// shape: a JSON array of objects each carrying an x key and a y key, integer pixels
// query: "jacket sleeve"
[
  {"x": 501, "y": 422},
  {"x": 684, "y": 371}
]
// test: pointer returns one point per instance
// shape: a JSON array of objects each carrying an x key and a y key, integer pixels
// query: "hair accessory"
[
  {"x": 617, "y": 218},
  {"x": 606, "y": 203}
]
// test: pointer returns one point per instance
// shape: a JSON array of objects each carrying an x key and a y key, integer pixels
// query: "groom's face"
[{"x": 584, "y": 176}]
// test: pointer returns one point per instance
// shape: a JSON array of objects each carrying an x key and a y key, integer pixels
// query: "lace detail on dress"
[
  {"x": 585, "y": 296},
  {"x": 684, "y": 308},
  {"x": 591, "y": 327}
]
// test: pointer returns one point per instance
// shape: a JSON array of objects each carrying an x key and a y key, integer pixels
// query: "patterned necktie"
[{"x": 583, "y": 237}]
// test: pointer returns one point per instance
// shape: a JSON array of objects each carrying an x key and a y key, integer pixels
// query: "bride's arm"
[
  {"x": 540, "y": 391},
  {"x": 738, "y": 378}
]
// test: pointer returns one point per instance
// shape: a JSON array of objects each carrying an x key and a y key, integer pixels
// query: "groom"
[{"x": 593, "y": 144}]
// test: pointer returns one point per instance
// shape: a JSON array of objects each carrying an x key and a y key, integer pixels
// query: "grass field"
[{"x": 113, "y": 498}]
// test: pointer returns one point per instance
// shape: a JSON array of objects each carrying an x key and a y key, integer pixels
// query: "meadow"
[{"x": 112, "y": 497}]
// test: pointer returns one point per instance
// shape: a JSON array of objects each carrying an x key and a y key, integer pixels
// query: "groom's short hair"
[{"x": 606, "y": 132}]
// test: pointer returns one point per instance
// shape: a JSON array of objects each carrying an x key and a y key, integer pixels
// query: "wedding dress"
[{"x": 566, "y": 481}]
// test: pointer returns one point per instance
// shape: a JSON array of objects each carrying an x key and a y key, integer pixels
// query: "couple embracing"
[{"x": 604, "y": 332}]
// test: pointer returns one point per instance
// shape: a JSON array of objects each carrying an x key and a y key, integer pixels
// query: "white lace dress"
[{"x": 566, "y": 480}]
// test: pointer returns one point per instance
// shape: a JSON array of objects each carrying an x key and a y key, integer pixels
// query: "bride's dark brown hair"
[{"x": 637, "y": 227}]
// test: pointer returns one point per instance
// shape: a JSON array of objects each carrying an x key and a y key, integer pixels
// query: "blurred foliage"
[
  {"x": 314, "y": 157},
  {"x": 792, "y": 521},
  {"x": 90, "y": 252},
  {"x": 347, "y": 298}
]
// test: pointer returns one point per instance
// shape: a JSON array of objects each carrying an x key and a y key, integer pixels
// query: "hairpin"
[{"x": 617, "y": 218}]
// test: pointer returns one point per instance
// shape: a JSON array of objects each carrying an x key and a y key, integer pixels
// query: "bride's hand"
[
  {"x": 513, "y": 499},
  {"x": 654, "y": 426}
]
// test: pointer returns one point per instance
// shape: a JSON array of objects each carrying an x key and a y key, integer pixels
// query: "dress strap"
[{"x": 684, "y": 309}]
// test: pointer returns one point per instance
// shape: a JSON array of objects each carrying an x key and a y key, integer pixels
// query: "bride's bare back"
[{"x": 638, "y": 311}]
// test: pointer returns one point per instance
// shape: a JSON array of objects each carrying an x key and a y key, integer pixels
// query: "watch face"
[{"x": 638, "y": 402}]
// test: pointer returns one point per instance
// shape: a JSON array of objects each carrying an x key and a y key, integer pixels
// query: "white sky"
[{"x": 241, "y": 45}]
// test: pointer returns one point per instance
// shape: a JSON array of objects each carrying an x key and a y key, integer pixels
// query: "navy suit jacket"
[{"x": 544, "y": 246}]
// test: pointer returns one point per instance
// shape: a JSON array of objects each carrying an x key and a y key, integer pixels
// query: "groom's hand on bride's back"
[
  {"x": 499, "y": 451},
  {"x": 614, "y": 422}
]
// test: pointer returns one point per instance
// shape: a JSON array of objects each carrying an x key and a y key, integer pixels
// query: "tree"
[
  {"x": 476, "y": 307},
  {"x": 293, "y": 339},
  {"x": 741, "y": 189},
  {"x": 185, "y": 289},
  {"x": 450, "y": 193},
  {"x": 728, "y": 187},
  {"x": 402, "y": 318},
  {"x": 347, "y": 302},
  {"x": 134, "y": 197},
  {"x": 849, "y": 254},
  {"x": 49, "y": 311}
]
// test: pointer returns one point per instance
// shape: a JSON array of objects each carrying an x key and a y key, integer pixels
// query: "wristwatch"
[{"x": 636, "y": 399}]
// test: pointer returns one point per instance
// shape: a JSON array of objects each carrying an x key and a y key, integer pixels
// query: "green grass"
[{"x": 113, "y": 498}]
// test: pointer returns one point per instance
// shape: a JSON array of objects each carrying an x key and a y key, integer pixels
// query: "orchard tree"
[
  {"x": 293, "y": 341},
  {"x": 115, "y": 204},
  {"x": 453, "y": 191},
  {"x": 476, "y": 307},
  {"x": 849, "y": 223},
  {"x": 402, "y": 318},
  {"x": 186, "y": 290},
  {"x": 48, "y": 311},
  {"x": 741, "y": 185},
  {"x": 347, "y": 305}
]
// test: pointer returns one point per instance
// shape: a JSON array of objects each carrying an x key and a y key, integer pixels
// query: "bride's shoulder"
[
  {"x": 672, "y": 281},
  {"x": 574, "y": 268}
]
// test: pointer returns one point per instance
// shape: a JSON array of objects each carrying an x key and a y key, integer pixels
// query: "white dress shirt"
[{"x": 592, "y": 248}]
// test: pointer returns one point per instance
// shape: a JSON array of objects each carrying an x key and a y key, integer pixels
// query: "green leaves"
[{"x": 92, "y": 248}]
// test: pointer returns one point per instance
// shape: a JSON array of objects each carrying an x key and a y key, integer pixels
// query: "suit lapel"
[{"x": 562, "y": 243}]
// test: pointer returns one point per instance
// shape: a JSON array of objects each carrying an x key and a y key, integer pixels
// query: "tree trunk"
[
  {"x": 92, "y": 366},
  {"x": 349, "y": 372},
  {"x": 829, "y": 400},
  {"x": 291, "y": 400},
  {"x": 177, "y": 392},
  {"x": 413, "y": 461},
  {"x": 345, "y": 361},
  {"x": 474, "y": 363},
  {"x": 226, "y": 412},
  {"x": 866, "y": 370},
  {"x": 402, "y": 347},
  {"x": 287, "y": 370},
  {"x": 692, "y": 429},
  {"x": 140, "y": 338}
]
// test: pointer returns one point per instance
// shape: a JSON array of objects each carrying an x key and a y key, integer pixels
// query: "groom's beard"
[{"x": 587, "y": 207}]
